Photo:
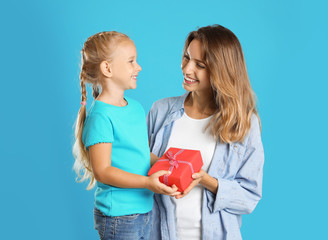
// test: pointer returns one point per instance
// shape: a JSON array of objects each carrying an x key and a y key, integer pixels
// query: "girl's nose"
[{"x": 138, "y": 67}]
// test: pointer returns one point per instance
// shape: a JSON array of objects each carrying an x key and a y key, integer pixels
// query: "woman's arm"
[
  {"x": 207, "y": 181},
  {"x": 241, "y": 194},
  {"x": 100, "y": 156}
]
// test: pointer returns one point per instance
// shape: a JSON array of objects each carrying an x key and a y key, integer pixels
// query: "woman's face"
[{"x": 196, "y": 76}]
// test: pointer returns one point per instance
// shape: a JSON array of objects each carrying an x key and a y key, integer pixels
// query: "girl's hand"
[
  {"x": 197, "y": 178},
  {"x": 154, "y": 185}
]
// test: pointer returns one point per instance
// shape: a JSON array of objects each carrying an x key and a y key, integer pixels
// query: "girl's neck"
[
  {"x": 199, "y": 105},
  {"x": 112, "y": 95}
]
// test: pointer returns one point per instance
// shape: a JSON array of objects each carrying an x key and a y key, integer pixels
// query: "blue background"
[{"x": 285, "y": 46}]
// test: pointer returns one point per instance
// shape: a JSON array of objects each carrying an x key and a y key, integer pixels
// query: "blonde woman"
[{"x": 217, "y": 116}]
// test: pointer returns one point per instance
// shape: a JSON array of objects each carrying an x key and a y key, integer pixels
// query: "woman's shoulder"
[
  {"x": 256, "y": 124},
  {"x": 254, "y": 134},
  {"x": 170, "y": 103}
]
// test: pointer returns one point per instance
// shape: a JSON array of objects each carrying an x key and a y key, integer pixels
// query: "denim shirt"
[{"x": 237, "y": 166}]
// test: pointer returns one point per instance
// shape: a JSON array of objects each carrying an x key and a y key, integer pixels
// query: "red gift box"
[{"x": 182, "y": 163}]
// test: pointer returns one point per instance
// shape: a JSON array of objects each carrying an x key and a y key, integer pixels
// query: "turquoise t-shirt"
[{"x": 124, "y": 127}]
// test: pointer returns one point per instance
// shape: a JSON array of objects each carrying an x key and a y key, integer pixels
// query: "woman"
[{"x": 217, "y": 116}]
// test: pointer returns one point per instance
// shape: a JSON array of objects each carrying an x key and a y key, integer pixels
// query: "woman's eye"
[
  {"x": 131, "y": 61},
  {"x": 186, "y": 57},
  {"x": 200, "y": 66}
]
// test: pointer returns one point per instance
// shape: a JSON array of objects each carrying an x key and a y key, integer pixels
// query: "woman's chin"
[{"x": 189, "y": 87}]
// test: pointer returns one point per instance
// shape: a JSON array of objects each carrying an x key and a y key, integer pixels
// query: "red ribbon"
[{"x": 174, "y": 163}]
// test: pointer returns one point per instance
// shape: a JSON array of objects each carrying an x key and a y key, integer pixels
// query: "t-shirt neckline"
[{"x": 111, "y": 105}]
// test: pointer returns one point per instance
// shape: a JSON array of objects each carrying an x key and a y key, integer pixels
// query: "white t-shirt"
[{"x": 188, "y": 133}]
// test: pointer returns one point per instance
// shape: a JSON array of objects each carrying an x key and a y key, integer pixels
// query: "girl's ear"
[{"x": 105, "y": 69}]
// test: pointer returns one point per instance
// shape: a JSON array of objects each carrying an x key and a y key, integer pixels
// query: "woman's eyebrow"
[
  {"x": 197, "y": 60},
  {"x": 200, "y": 61}
]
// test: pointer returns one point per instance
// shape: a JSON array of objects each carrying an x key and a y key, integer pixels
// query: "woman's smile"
[{"x": 189, "y": 81}]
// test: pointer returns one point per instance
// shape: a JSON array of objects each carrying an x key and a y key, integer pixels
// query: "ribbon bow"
[
  {"x": 174, "y": 163},
  {"x": 172, "y": 159}
]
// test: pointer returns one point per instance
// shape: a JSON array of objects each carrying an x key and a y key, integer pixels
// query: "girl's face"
[
  {"x": 124, "y": 65},
  {"x": 196, "y": 76}
]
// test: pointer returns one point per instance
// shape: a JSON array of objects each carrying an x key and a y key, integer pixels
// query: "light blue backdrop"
[{"x": 285, "y": 45}]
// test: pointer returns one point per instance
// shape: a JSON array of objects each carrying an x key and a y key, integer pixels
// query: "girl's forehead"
[{"x": 125, "y": 48}]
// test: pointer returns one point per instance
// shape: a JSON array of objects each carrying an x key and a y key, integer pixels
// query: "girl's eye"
[{"x": 131, "y": 61}]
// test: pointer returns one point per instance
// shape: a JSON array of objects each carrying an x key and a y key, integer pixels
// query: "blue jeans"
[{"x": 128, "y": 227}]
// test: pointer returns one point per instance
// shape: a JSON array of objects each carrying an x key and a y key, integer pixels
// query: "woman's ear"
[{"x": 105, "y": 69}]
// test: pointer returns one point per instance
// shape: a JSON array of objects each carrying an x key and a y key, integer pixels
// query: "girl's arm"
[
  {"x": 100, "y": 156},
  {"x": 153, "y": 159}
]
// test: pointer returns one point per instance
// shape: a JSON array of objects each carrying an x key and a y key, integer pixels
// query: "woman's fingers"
[
  {"x": 200, "y": 174},
  {"x": 164, "y": 189},
  {"x": 188, "y": 189},
  {"x": 174, "y": 187},
  {"x": 196, "y": 175},
  {"x": 173, "y": 190}
]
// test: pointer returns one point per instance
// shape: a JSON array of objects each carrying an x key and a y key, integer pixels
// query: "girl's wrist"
[{"x": 145, "y": 182}]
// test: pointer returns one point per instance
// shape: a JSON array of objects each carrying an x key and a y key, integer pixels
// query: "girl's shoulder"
[
  {"x": 98, "y": 112},
  {"x": 132, "y": 102},
  {"x": 97, "y": 108}
]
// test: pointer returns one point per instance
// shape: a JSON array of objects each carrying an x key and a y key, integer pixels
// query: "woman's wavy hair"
[
  {"x": 96, "y": 49},
  {"x": 233, "y": 94}
]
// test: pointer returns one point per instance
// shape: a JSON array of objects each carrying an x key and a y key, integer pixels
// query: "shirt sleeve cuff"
[{"x": 218, "y": 201}]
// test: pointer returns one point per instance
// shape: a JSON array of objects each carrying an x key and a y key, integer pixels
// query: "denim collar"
[
  {"x": 180, "y": 103},
  {"x": 177, "y": 109}
]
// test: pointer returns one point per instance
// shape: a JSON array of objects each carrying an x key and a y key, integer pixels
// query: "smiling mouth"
[
  {"x": 134, "y": 77},
  {"x": 189, "y": 81}
]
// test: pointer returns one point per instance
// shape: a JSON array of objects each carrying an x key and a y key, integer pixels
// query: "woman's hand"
[
  {"x": 154, "y": 185},
  {"x": 197, "y": 178}
]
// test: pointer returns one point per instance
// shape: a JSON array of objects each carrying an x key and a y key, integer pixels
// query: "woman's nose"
[{"x": 187, "y": 68}]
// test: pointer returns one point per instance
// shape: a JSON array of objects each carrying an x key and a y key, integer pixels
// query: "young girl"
[
  {"x": 111, "y": 142},
  {"x": 217, "y": 116}
]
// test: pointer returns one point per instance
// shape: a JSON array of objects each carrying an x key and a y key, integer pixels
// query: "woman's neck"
[
  {"x": 199, "y": 105},
  {"x": 112, "y": 95}
]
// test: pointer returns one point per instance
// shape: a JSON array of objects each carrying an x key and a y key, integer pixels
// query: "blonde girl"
[
  {"x": 217, "y": 116},
  {"x": 111, "y": 147}
]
